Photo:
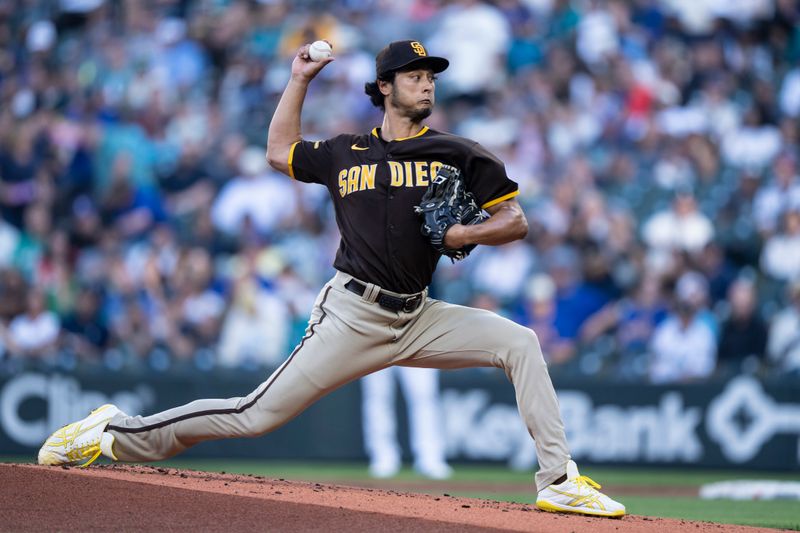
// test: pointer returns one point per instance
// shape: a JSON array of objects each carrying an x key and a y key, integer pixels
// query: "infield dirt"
[{"x": 150, "y": 498}]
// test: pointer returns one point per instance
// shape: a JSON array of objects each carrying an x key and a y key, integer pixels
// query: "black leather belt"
[{"x": 388, "y": 301}]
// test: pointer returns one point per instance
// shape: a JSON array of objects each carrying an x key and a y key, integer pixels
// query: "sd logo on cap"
[{"x": 406, "y": 54}]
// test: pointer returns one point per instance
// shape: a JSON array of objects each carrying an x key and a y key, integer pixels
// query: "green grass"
[
  {"x": 777, "y": 514},
  {"x": 464, "y": 473},
  {"x": 677, "y": 477}
]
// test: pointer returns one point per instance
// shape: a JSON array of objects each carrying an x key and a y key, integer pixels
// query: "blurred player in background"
[{"x": 378, "y": 407}]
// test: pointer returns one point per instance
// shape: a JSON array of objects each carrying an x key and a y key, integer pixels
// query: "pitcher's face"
[{"x": 413, "y": 94}]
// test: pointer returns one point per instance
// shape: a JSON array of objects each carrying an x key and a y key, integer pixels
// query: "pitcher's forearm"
[
  {"x": 284, "y": 129},
  {"x": 506, "y": 224}
]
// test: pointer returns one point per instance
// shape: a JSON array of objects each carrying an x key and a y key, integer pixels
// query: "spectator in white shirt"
[
  {"x": 682, "y": 227},
  {"x": 780, "y": 258},
  {"x": 753, "y": 145},
  {"x": 477, "y": 66},
  {"x": 255, "y": 329},
  {"x": 684, "y": 346},
  {"x": 35, "y": 333},
  {"x": 789, "y": 97},
  {"x": 258, "y": 195},
  {"x": 782, "y": 194},
  {"x": 783, "y": 339},
  {"x": 503, "y": 271},
  {"x": 597, "y": 37}
]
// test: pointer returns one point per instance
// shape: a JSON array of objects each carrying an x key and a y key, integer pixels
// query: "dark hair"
[{"x": 374, "y": 92}]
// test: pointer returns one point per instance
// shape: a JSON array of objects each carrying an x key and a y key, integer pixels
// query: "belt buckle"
[
  {"x": 389, "y": 302},
  {"x": 411, "y": 303}
]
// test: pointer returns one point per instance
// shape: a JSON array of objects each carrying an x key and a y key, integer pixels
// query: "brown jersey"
[{"x": 375, "y": 185}]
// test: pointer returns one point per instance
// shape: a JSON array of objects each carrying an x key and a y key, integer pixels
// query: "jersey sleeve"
[
  {"x": 311, "y": 161},
  {"x": 486, "y": 178}
]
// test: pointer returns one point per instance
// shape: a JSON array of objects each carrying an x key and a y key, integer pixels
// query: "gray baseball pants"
[{"x": 349, "y": 336}]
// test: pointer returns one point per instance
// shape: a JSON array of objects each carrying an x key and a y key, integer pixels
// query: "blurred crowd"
[{"x": 655, "y": 143}]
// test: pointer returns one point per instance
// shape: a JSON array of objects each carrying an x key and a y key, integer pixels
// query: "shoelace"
[
  {"x": 93, "y": 459},
  {"x": 587, "y": 482}
]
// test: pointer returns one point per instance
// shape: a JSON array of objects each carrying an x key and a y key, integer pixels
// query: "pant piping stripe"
[{"x": 238, "y": 410}]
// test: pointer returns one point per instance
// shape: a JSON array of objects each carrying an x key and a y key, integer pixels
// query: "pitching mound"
[{"x": 144, "y": 498}]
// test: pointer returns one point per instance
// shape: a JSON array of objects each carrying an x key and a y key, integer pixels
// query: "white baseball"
[{"x": 319, "y": 50}]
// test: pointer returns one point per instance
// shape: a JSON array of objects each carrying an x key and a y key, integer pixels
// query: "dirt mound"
[{"x": 145, "y": 498}]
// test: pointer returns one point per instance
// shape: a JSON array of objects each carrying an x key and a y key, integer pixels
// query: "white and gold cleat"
[
  {"x": 578, "y": 495},
  {"x": 81, "y": 442}
]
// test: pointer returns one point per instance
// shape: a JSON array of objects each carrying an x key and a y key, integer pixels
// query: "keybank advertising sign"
[
  {"x": 32, "y": 405},
  {"x": 740, "y": 423}
]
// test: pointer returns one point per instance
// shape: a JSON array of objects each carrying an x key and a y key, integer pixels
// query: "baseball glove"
[{"x": 445, "y": 203}]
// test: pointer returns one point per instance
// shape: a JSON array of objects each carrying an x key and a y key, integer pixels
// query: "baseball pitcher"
[{"x": 404, "y": 195}]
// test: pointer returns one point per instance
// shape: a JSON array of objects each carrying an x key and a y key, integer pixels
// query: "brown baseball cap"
[{"x": 402, "y": 54}]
